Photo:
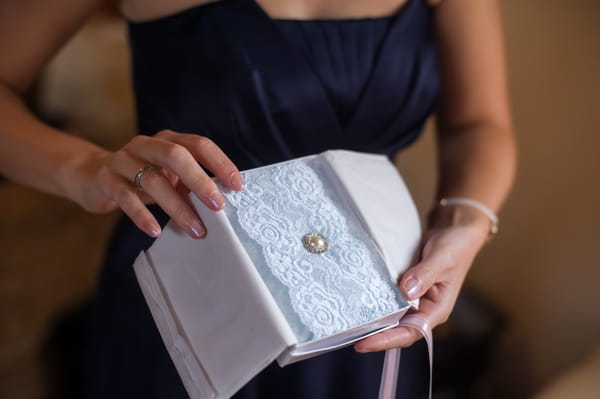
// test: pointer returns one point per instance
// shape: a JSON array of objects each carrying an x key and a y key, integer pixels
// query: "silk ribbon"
[{"x": 391, "y": 362}]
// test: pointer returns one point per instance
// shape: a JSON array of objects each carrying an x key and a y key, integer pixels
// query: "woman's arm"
[
  {"x": 476, "y": 160},
  {"x": 31, "y": 32},
  {"x": 48, "y": 159},
  {"x": 477, "y": 152}
]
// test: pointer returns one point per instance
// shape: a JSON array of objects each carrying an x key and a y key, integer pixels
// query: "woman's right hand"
[
  {"x": 36, "y": 155},
  {"x": 47, "y": 159},
  {"x": 107, "y": 181}
]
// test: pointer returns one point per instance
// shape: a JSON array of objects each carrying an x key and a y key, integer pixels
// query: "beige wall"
[{"x": 544, "y": 266}]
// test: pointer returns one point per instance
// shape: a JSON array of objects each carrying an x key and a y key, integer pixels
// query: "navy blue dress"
[{"x": 265, "y": 91}]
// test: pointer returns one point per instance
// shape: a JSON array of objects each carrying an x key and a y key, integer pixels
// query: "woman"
[{"x": 238, "y": 84}]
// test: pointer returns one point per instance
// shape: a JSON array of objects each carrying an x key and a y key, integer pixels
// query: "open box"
[{"x": 228, "y": 305}]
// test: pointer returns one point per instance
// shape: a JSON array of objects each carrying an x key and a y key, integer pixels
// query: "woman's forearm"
[
  {"x": 37, "y": 155},
  {"x": 32, "y": 153},
  {"x": 478, "y": 162},
  {"x": 476, "y": 144}
]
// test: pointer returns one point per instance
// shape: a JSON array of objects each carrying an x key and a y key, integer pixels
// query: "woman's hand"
[
  {"x": 476, "y": 159},
  {"x": 177, "y": 159},
  {"x": 448, "y": 250}
]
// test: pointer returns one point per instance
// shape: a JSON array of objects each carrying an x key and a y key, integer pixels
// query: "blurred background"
[{"x": 528, "y": 324}]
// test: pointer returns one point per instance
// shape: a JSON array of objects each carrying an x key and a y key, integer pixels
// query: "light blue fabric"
[{"x": 320, "y": 294}]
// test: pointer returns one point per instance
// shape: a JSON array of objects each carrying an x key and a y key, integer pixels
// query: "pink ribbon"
[{"x": 391, "y": 362}]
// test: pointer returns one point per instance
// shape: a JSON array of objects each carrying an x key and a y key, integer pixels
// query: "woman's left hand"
[{"x": 448, "y": 250}]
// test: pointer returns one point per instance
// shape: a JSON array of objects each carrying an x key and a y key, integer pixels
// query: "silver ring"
[{"x": 140, "y": 173}]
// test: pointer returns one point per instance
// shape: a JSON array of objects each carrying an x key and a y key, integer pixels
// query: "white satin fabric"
[{"x": 216, "y": 314}]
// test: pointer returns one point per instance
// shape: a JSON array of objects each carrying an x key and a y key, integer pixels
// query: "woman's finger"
[
  {"x": 419, "y": 279},
  {"x": 210, "y": 156},
  {"x": 177, "y": 159},
  {"x": 123, "y": 193},
  {"x": 399, "y": 337},
  {"x": 122, "y": 163},
  {"x": 159, "y": 187},
  {"x": 445, "y": 255}
]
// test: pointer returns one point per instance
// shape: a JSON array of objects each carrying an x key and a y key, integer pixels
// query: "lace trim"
[{"x": 331, "y": 291}]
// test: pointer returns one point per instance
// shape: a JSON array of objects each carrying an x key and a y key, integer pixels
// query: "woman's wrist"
[
  {"x": 476, "y": 205},
  {"x": 78, "y": 173},
  {"x": 456, "y": 214}
]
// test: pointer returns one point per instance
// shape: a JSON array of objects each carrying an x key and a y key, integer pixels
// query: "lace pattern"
[{"x": 329, "y": 292}]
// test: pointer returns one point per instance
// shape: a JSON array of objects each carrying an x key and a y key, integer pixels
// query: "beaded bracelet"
[{"x": 492, "y": 217}]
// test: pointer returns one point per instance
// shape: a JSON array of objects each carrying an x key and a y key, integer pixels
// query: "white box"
[{"x": 217, "y": 317}]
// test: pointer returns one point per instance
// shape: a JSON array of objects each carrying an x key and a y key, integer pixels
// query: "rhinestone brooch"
[{"x": 315, "y": 243}]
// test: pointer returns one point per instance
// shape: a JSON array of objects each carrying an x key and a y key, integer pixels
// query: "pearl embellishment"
[{"x": 315, "y": 243}]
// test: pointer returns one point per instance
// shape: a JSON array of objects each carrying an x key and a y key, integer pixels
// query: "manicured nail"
[
  {"x": 412, "y": 286},
  {"x": 236, "y": 181},
  {"x": 214, "y": 204},
  {"x": 155, "y": 232},
  {"x": 197, "y": 231}
]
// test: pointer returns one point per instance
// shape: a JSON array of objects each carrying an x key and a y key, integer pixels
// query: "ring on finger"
[{"x": 140, "y": 174}]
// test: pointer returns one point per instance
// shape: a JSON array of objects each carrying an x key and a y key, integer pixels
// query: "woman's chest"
[
  {"x": 271, "y": 86},
  {"x": 145, "y": 10}
]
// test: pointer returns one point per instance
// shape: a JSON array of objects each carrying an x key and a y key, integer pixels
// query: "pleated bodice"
[{"x": 267, "y": 90}]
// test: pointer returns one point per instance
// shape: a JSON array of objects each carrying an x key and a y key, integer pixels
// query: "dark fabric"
[
  {"x": 342, "y": 56},
  {"x": 265, "y": 91}
]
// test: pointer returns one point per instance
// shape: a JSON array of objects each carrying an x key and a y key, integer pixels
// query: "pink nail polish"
[
  {"x": 214, "y": 204},
  {"x": 155, "y": 230},
  {"x": 197, "y": 231},
  {"x": 236, "y": 181},
  {"x": 412, "y": 286}
]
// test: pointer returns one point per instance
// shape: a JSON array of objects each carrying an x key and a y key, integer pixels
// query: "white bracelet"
[{"x": 492, "y": 217}]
